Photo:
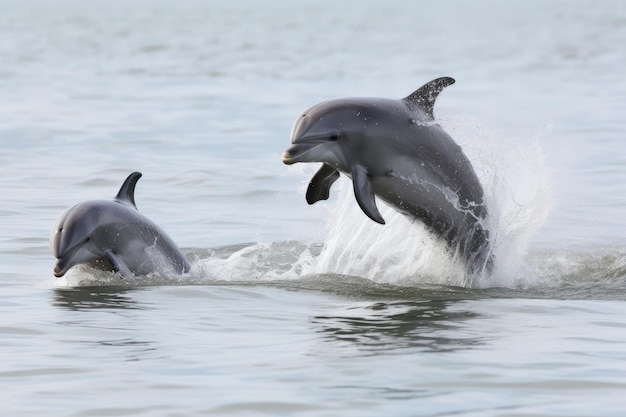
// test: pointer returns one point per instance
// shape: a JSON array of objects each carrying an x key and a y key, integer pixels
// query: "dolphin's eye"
[{"x": 334, "y": 136}]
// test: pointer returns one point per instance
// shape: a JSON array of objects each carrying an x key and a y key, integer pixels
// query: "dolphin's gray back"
[
  {"x": 447, "y": 159},
  {"x": 144, "y": 246}
]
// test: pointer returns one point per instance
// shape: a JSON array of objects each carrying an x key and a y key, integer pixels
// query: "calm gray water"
[{"x": 297, "y": 310}]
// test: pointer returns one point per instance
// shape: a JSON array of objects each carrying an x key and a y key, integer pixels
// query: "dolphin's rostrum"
[
  {"x": 114, "y": 236},
  {"x": 395, "y": 150}
]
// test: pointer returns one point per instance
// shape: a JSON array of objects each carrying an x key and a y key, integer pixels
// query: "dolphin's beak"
[
  {"x": 295, "y": 152},
  {"x": 60, "y": 268},
  {"x": 66, "y": 260},
  {"x": 301, "y": 149}
]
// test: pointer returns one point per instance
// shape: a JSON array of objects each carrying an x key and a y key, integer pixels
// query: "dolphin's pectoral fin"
[
  {"x": 319, "y": 187},
  {"x": 425, "y": 96},
  {"x": 364, "y": 193},
  {"x": 118, "y": 264},
  {"x": 126, "y": 195}
]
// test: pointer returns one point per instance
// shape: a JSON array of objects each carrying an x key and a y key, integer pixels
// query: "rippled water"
[{"x": 292, "y": 309}]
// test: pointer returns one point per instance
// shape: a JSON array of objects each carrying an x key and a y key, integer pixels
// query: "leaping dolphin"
[
  {"x": 114, "y": 236},
  {"x": 395, "y": 150}
]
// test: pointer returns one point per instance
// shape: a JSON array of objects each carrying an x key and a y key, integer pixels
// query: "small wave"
[
  {"x": 590, "y": 273},
  {"x": 604, "y": 265}
]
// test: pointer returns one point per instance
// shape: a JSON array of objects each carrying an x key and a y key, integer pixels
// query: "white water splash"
[
  {"x": 518, "y": 198},
  {"x": 390, "y": 253},
  {"x": 517, "y": 193}
]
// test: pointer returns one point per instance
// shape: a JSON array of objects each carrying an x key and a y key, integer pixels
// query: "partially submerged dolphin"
[
  {"x": 394, "y": 149},
  {"x": 114, "y": 236}
]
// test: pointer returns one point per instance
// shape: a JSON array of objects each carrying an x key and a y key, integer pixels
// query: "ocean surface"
[{"x": 298, "y": 310}]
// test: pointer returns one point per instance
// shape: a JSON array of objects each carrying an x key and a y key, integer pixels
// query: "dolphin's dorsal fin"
[
  {"x": 364, "y": 193},
  {"x": 126, "y": 195},
  {"x": 319, "y": 187},
  {"x": 425, "y": 96}
]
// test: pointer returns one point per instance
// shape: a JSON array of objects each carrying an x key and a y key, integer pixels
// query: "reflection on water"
[
  {"x": 111, "y": 333},
  {"x": 429, "y": 326},
  {"x": 94, "y": 298}
]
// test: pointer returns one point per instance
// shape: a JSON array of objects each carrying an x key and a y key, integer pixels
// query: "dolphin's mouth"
[
  {"x": 61, "y": 267},
  {"x": 297, "y": 151},
  {"x": 65, "y": 261},
  {"x": 64, "y": 264}
]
